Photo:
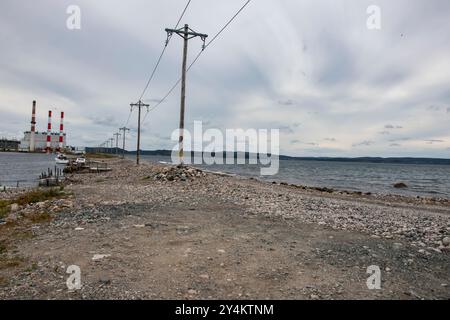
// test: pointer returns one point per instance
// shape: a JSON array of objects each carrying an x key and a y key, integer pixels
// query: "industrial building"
[
  {"x": 9, "y": 145},
  {"x": 40, "y": 141},
  {"x": 48, "y": 141}
]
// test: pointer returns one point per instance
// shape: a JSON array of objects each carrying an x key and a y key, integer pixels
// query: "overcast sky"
[{"x": 311, "y": 68}]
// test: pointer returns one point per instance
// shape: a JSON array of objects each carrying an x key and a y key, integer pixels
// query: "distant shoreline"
[{"x": 389, "y": 160}]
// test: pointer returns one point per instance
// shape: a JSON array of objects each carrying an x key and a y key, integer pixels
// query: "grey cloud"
[
  {"x": 434, "y": 141},
  {"x": 330, "y": 139},
  {"x": 288, "y": 102},
  {"x": 390, "y": 126},
  {"x": 105, "y": 121},
  {"x": 384, "y": 132},
  {"x": 286, "y": 129},
  {"x": 365, "y": 143},
  {"x": 433, "y": 108},
  {"x": 395, "y": 145},
  {"x": 400, "y": 139},
  {"x": 296, "y": 141}
]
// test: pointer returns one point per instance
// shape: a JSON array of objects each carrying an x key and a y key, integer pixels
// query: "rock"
[
  {"x": 41, "y": 204},
  {"x": 97, "y": 257},
  {"x": 397, "y": 246},
  {"x": 104, "y": 280},
  {"x": 178, "y": 173},
  {"x": 12, "y": 217},
  {"x": 79, "y": 229},
  {"x": 446, "y": 241},
  {"x": 400, "y": 185},
  {"x": 192, "y": 291},
  {"x": 14, "y": 207}
]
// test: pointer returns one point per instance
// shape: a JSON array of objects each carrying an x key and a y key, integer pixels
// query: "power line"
[
  {"x": 228, "y": 23},
  {"x": 162, "y": 52},
  {"x": 182, "y": 15},
  {"x": 158, "y": 62},
  {"x": 197, "y": 57},
  {"x": 129, "y": 117}
]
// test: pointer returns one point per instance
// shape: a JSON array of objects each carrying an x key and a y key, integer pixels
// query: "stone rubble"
[{"x": 178, "y": 173}]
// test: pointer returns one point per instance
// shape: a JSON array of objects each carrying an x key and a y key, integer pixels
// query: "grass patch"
[
  {"x": 100, "y": 156},
  {"x": 10, "y": 262},
  {"x": 32, "y": 268},
  {"x": 3, "y": 282},
  {"x": 3, "y": 248},
  {"x": 37, "y": 196},
  {"x": 23, "y": 234},
  {"x": 41, "y": 217},
  {"x": 4, "y": 208}
]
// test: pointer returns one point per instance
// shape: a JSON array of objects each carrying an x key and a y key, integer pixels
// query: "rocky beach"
[{"x": 156, "y": 231}]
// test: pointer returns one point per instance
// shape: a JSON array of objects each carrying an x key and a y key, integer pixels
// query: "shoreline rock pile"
[{"x": 179, "y": 173}]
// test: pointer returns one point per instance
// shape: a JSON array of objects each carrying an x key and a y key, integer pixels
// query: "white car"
[{"x": 80, "y": 160}]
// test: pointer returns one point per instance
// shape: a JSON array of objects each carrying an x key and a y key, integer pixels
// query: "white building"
[{"x": 40, "y": 139}]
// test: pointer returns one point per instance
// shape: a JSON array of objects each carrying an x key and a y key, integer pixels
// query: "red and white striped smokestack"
[
  {"x": 33, "y": 127},
  {"x": 49, "y": 132},
  {"x": 61, "y": 132}
]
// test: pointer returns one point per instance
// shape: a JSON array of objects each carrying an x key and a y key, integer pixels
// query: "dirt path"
[{"x": 170, "y": 241}]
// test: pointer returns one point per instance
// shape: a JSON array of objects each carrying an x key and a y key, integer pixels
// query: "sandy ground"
[{"x": 218, "y": 237}]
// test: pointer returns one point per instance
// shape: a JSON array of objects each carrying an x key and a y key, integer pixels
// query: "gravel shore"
[{"x": 159, "y": 232}]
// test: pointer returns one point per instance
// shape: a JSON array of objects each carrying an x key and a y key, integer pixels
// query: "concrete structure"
[{"x": 41, "y": 141}]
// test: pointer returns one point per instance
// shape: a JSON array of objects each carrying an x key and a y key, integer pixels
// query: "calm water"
[
  {"x": 422, "y": 180},
  {"x": 23, "y": 167}
]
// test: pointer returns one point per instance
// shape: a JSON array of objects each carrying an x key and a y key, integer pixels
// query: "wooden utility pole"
[
  {"x": 139, "y": 105},
  {"x": 117, "y": 135},
  {"x": 111, "y": 141},
  {"x": 186, "y": 33},
  {"x": 124, "y": 129}
]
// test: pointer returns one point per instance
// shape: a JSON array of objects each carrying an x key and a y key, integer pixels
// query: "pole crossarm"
[
  {"x": 187, "y": 33},
  {"x": 184, "y": 33}
]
